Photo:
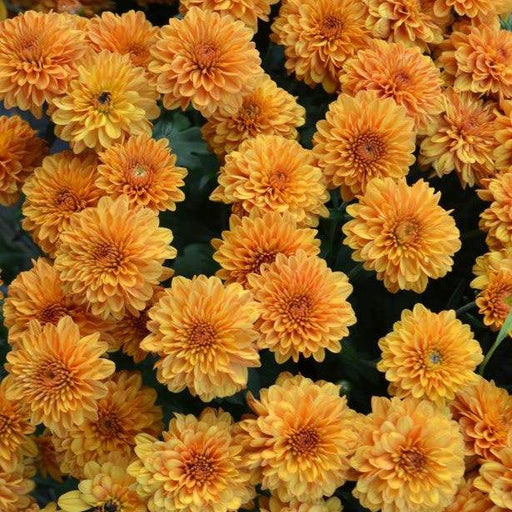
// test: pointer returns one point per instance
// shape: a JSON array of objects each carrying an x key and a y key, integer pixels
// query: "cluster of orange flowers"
[{"x": 425, "y": 80}]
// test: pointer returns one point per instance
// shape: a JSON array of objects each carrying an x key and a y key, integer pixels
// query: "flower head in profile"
[
  {"x": 20, "y": 151},
  {"x": 248, "y": 11},
  {"x": 126, "y": 410},
  {"x": 112, "y": 256},
  {"x": 268, "y": 110},
  {"x": 415, "y": 23},
  {"x": 495, "y": 479},
  {"x": 198, "y": 467},
  {"x": 205, "y": 59},
  {"x": 203, "y": 332},
  {"x": 361, "y": 138},
  {"x": 39, "y": 55},
  {"x": 145, "y": 170},
  {"x": 318, "y": 36},
  {"x": 429, "y": 355},
  {"x": 104, "y": 484},
  {"x": 271, "y": 173},
  {"x": 403, "y": 463},
  {"x": 463, "y": 139},
  {"x": 15, "y": 488},
  {"x": 483, "y": 411},
  {"x": 479, "y": 60},
  {"x": 300, "y": 439},
  {"x": 396, "y": 71},
  {"x": 411, "y": 240},
  {"x": 59, "y": 373},
  {"x": 108, "y": 101},
  {"x": 62, "y": 186},
  {"x": 274, "y": 504},
  {"x": 493, "y": 279},
  {"x": 304, "y": 307},
  {"x": 471, "y": 499},
  {"x": 253, "y": 242}
]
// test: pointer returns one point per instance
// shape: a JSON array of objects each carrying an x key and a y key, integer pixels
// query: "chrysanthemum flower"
[
  {"x": 127, "y": 34},
  {"x": 204, "y": 334},
  {"x": 271, "y": 173},
  {"x": 59, "y": 373},
  {"x": 318, "y": 36},
  {"x": 109, "y": 100},
  {"x": 112, "y": 256},
  {"x": 479, "y": 60},
  {"x": 198, "y": 467},
  {"x": 496, "y": 479},
  {"x": 403, "y": 462},
  {"x": 84, "y": 7},
  {"x": 145, "y": 170},
  {"x": 20, "y": 151},
  {"x": 304, "y": 307},
  {"x": 39, "y": 55},
  {"x": 103, "y": 485},
  {"x": 269, "y": 110},
  {"x": 299, "y": 443},
  {"x": 503, "y": 135},
  {"x": 483, "y": 411},
  {"x": 62, "y": 186},
  {"x": 429, "y": 355},
  {"x": 414, "y": 23},
  {"x": 463, "y": 139},
  {"x": 493, "y": 277},
  {"x": 126, "y": 410},
  {"x": 48, "y": 460},
  {"x": 248, "y": 11},
  {"x": 205, "y": 59},
  {"x": 470, "y": 499},
  {"x": 252, "y": 242},
  {"x": 406, "y": 243},
  {"x": 14, "y": 490},
  {"x": 396, "y": 71},
  {"x": 274, "y": 504},
  {"x": 361, "y": 138},
  {"x": 472, "y": 8},
  {"x": 38, "y": 294}
]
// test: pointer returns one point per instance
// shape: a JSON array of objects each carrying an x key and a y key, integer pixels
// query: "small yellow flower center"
[
  {"x": 412, "y": 461},
  {"x": 434, "y": 358},
  {"x": 201, "y": 337},
  {"x": 107, "y": 256},
  {"x": 52, "y": 313},
  {"x": 331, "y": 27},
  {"x": 278, "y": 180},
  {"x": 205, "y": 55},
  {"x": 200, "y": 468},
  {"x": 67, "y": 200},
  {"x": 260, "y": 258},
  {"x": 304, "y": 441},
  {"x": 299, "y": 308},
  {"x": 405, "y": 232},
  {"x": 401, "y": 78},
  {"x": 368, "y": 148},
  {"x": 53, "y": 375},
  {"x": 108, "y": 423}
]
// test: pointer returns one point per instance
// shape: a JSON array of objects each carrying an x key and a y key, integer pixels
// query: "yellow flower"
[
  {"x": 204, "y": 334},
  {"x": 429, "y": 355},
  {"x": 198, "y": 467},
  {"x": 411, "y": 240},
  {"x": 503, "y": 134},
  {"x": 411, "y": 457},
  {"x": 496, "y": 479},
  {"x": 470, "y": 499},
  {"x": 473, "y": 8},
  {"x": 274, "y": 504},
  {"x": 14, "y": 490}
]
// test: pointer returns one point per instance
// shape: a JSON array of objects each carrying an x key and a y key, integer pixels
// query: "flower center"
[
  {"x": 68, "y": 201},
  {"x": 200, "y": 468},
  {"x": 53, "y": 375},
  {"x": 304, "y": 442},
  {"x": 139, "y": 324},
  {"x": 112, "y": 505},
  {"x": 206, "y": 55},
  {"x": 52, "y": 314},
  {"x": 331, "y": 27},
  {"x": 405, "y": 232},
  {"x": 412, "y": 460},
  {"x": 30, "y": 47},
  {"x": 368, "y": 148},
  {"x": 5, "y": 424},
  {"x": 108, "y": 256},
  {"x": 434, "y": 358},
  {"x": 260, "y": 258},
  {"x": 278, "y": 180},
  {"x": 401, "y": 78},
  {"x": 108, "y": 424},
  {"x": 138, "y": 175},
  {"x": 201, "y": 337},
  {"x": 299, "y": 308},
  {"x": 102, "y": 101}
]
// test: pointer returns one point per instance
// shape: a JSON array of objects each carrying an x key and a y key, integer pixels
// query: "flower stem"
[
  {"x": 488, "y": 356},
  {"x": 465, "y": 308}
]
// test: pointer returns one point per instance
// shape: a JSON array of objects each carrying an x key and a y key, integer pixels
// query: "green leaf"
[{"x": 505, "y": 328}]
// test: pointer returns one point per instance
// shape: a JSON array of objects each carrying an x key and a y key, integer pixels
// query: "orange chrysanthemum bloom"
[
  {"x": 503, "y": 135},
  {"x": 204, "y": 334},
  {"x": 299, "y": 443},
  {"x": 109, "y": 100},
  {"x": 396, "y": 71},
  {"x": 402, "y": 461},
  {"x": 479, "y": 60},
  {"x": 14, "y": 490},
  {"x": 38, "y": 294},
  {"x": 20, "y": 151},
  {"x": 361, "y": 138},
  {"x": 496, "y": 479},
  {"x": 126, "y": 410},
  {"x": 413, "y": 23},
  {"x": 103, "y": 485},
  {"x": 318, "y": 36},
  {"x": 429, "y": 355},
  {"x": 473, "y": 8},
  {"x": 62, "y": 186},
  {"x": 493, "y": 273},
  {"x": 248, "y": 11},
  {"x": 145, "y": 170},
  {"x": 48, "y": 460},
  {"x": 205, "y": 59},
  {"x": 112, "y": 256},
  {"x": 463, "y": 139},
  {"x": 274, "y": 504},
  {"x": 271, "y": 173},
  {"x": 411, "y": 240},
  {"x": 269, "y": 110},
  {"x": 252, "y": 242},
  {"x": 470, "y": 499},
  {"x": 39, "y": 55},
  {"x": 59, "y": 373},
  {"x": 127, "y": 34},
  {"x": 483, "y": 411},
  {"x": 304, "y": 307},
  {"x": 198, "y": 467}
]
